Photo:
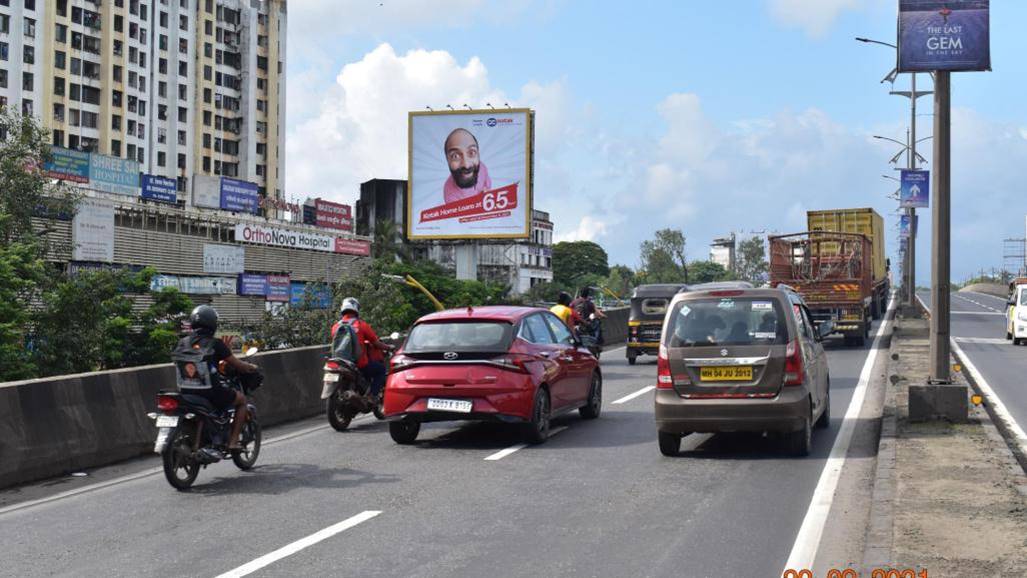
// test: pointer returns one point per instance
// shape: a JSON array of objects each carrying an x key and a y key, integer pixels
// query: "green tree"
[
  {"x": 621, "y": 280},
  {"x": 388, "y": 241},
  {"x": 663, "y": 258},
  {"x": 578, "y": 264},
  {"x": 752, "y": 260},
  {"x": 21, "y": 272},
  {"x": 707, "y": 272},
  {"x": 158, "y": 327}
]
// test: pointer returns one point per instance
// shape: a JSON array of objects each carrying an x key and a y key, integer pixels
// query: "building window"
[
  {"x": 131, "y": 150},
  {"x": 30, "y": 4},
  {"x": 181, "y": 161},
  {"x": 5, "y": 24},
  {"x": 27, "y": 81},
  {"x": 206, "y": 118},
  {"x": 26, "y": 107},
  {"x": 116, "y": 98},
  {"x": 163, "y": 42},
  {"x": 161, "y": 156},
  {"x": 183, "y": 68},
  {"x": 163, "y": 19},
  {"x": 183, "y": 46},
  {"x": 30, "y": 31},
  {"x": 58, "y": 138},
  {"x": 208, "y": 72},
  {"x": 119, "y": 23},
  {"x": 162, "y": 89},
  {"x": 117, "y": 74},
  {"x": 58, "y": 86},
  {"x": 162, "y": 65},
  {"x": 115, "y": 122},
  {"x": 116, "y": 148},
  {"x": 4, "y": 50},
  {"x": 181, "y": 137},
  {"x": 206, "y": 164},
  {"x": 58, "y": 112},
  {"x": 206, "y": 95},
  {"x": 182, "y": 114},
  {"x": 28, "y": 55},
  {"x": 183, "y": 22},
  {"x": 183, "y": 92},
  {"x": 206, "y": 140}
]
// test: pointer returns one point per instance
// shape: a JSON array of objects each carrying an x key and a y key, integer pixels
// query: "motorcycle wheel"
[
  {"x": 250, "y": 440},
  {"x": 339, "y": 414},
  {"x": 180, "y": 468}
]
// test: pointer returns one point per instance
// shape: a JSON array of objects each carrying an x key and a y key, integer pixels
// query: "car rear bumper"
[
  {"x": 784, "y": 413},
  {"x": 433, "y": 416},
  {"x": 509, "y": 398}
]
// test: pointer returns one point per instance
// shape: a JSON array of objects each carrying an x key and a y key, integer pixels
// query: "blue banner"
[
  {"x": 251, "y": 284},
  {"x": 948, "y": 35},
  {"x": 915, "y": 191},
  {"x": 113, "y": 175},
  {"x": 67, "y": 165},
  {"x": 904, "y": 226},
  {"x": 319, "y": 294},
  {"x": 160, "y": 189},
  {"x": 239, "y": 196}
]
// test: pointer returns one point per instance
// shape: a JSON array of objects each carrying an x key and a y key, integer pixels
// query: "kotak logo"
[{"x": 491, "y": 122}]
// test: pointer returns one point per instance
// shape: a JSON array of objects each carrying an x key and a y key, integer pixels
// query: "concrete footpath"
[{"x": 948, "y": 498}]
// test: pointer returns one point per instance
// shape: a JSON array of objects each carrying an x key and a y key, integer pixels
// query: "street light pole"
[{"x": 942, "y": 220}]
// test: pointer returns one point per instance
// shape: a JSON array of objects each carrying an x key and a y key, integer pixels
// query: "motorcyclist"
[
  {"x": 371, "y": 362},
  {"x": 563, "y": 310},
  {"x": 586, "y": 308},
  {"x": 204, "y": 322}
]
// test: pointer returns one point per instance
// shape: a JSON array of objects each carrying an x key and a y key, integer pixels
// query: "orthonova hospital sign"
[{"x": 284, "y": 238}]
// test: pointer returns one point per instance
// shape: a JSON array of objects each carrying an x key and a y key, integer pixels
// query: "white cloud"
[
  {"x": 815, "y": 17},
  {"x": 588, "y": 229}
]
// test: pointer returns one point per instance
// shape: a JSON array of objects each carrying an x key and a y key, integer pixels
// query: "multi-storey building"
[{"x": 183, "y": 87}]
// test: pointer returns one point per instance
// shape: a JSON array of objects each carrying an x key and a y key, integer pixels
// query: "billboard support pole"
[
  {"x": 941, "y": 212},
  {"x": 911, "y": 246}
]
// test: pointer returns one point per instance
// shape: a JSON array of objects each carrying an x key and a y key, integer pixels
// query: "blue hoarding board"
[
  {"x": 113, "y": 175},
  {"x": 160, "y": 189},
  {"x": 915, "y": 190},
  {"x": 904, "y": 226},
  {"x": 950, "y": 35},
  {"x": 239, "y": 196},
  {"x": 250, "y": 284},
  {"x": 319, "y": 295},
  {"x": 68, "y": 165}
]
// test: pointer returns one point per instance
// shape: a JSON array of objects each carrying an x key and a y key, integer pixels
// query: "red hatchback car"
[{"x": 518, "y": 365}]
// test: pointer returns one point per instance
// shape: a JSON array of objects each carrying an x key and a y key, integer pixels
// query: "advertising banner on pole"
[
  {"x": 113, "y": 175},
  {"x": 951, "y": 35},
  {"x": 470, "y": 174},
  {"x": 904, "y": 224},
  {"x": 252, "y": 284},
  {"x": 332, "y": 215},
  {"x": 223, "y": 259},
  {"x": 278, "y": 288},
  {"x": 915, "y": 191},
  {"x": 161, "y": 189},
  {"x": 239, "y": 196},
  {"x": 194, "y": 285},
  {"x": 206, "y": 191},
  {"x": 92, "y": 232},
  {"x": 68, "y": 165}
]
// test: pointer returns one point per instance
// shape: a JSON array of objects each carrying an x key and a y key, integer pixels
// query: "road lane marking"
[
  {"x": 151, "y": 472},
  {"x": 1002, "y": 299},
  {"x": 290, "y": 549},
  {"x": 514, "y": 448},
  {"x": 807, "y": 542},
  {"x": 976, "y": 313},
  {"x": 982, "y": 340},
  {"x": 993, "y": 399},
  {"x": 632, "y": 396}
]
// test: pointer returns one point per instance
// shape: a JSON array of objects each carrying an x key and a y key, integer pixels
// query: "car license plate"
[
  {"x": 167, "y": 420},
  {"x": 457, "y": 405},
  {"x": 729, "y": 373},
  {"x": 331, "y": 377}
]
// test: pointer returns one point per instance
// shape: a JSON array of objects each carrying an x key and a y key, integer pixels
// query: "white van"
[{"x": 1016, "y": 314}]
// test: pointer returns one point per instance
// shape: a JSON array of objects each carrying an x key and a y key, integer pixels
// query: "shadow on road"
[{"x": 276, "y": 479}]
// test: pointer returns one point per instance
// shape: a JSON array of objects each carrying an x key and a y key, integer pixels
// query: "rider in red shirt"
[{"x": 372, "y": 353}]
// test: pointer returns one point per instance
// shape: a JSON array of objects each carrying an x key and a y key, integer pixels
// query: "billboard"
[
  {"x": 262, "y": 235},
  {"x": 915, "y": 191},
  {"x": 333, "y": 215},
  {"x": 950, "y": 35},
  {"x": 113, "y": 175},
  {"x": 278, "y": 288},
  {"x": 316, "y": 295},
  {"x": 161, "y": 189},
  {"x": 194, "y": 285},
  {"x": 352, "y": 247},
  {"x": 68, "y": 165},
  {"x": 206, "y": 191},
  {"x": 92, "y": 233},
  {"x": 238, "y": 196},
  {"x": 469, "y": 174},
  {"x": 252, "y": 284},
  {"x": 223, "y": 258}
]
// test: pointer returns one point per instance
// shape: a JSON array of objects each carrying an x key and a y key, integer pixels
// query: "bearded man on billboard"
[{"x": 468, "y": 175}]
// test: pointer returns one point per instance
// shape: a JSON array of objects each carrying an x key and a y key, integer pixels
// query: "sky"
[{"x": 709, "y": 117}]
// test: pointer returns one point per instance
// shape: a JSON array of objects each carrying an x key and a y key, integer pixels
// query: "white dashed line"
[
  {"x": 632, "y": 396},
  {"x": 515, "y": 448},
  {"x": 290, "y": 549}
]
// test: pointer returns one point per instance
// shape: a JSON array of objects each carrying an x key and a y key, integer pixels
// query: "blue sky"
[{"x": 704, "y": 116}]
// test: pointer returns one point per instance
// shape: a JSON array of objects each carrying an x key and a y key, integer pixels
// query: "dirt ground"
[{"x": 959, "y": 507}]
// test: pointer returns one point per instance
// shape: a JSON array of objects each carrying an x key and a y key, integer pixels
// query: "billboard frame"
[{"x": 529, "y": 171}]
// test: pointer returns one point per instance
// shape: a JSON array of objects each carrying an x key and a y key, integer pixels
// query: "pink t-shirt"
[{"x": 452, "y": 193}]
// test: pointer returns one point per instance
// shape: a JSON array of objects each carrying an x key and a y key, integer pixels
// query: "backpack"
[
  {"x": 346, "y": 344},
  {"x": 584, "y": 308},
  {"x": 192, "y": 357}
]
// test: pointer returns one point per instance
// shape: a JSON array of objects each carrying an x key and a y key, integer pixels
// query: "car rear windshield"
[
  {"x": 485, "y": 336},
  {"x": 726, "y": 321}
]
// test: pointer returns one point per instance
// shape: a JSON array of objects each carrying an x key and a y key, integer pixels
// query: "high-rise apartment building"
[{"x": 184, "y": 87}]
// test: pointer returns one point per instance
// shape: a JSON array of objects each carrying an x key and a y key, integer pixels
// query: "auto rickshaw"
[{"x": 645, "y": 326}]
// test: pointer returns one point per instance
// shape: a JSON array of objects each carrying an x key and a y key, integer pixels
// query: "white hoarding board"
[
  {"x": 470, "y": 174},
  {"x": 207, "y": 191},
  {"x": 92, "y": 233},
  {"x": 262, "y": 235},
  {"x": 223, "y": 259}
]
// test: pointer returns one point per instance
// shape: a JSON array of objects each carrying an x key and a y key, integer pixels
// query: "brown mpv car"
[{"x": 735, "y": 358}]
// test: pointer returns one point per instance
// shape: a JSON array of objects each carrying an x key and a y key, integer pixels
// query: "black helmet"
[{"x": 204, "y": 317}]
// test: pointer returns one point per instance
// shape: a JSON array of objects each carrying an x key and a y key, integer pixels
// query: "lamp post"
[{"x": 909, "y": 262}]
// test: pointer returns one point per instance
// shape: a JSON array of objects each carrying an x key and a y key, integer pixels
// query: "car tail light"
[
  {"x": 331, "y": 366},
  {"x": 167, "y": 403},
  {"x": 793, "y": 364},
  {"x": 514, "y": 362},
  {"x": 664, "y": 378},
  {"x": 732, "y": 293},
  {"x": 400, "y": 361}
]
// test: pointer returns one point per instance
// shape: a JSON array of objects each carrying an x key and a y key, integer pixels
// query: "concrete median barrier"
[{"x": 57, "y": 425}]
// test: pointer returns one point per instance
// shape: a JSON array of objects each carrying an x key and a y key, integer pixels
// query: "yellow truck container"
[{"x": 870, "y": 224}]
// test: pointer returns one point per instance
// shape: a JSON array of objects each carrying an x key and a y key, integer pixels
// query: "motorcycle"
[
  {"x": 347, "y": 393},
  {"x": 193, "y": 434},
  {"x": 588, "y": 334}
]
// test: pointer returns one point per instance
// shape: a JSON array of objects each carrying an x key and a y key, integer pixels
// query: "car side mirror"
[{"x": 824, "y": 329}]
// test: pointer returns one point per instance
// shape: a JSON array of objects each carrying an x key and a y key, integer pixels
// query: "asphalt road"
[
  {"x": 978, "y": 327},
  {"x": 597, "y": 499}
]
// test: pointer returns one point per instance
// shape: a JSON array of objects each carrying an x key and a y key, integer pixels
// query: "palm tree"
[{"x": 388, "y": 240}]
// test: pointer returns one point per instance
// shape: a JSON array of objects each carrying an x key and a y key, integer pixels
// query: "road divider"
[
  {"x": 290, "y": 549},
  {"x": 807, "y": 542},
  {"x": 632, "y": 396}
]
